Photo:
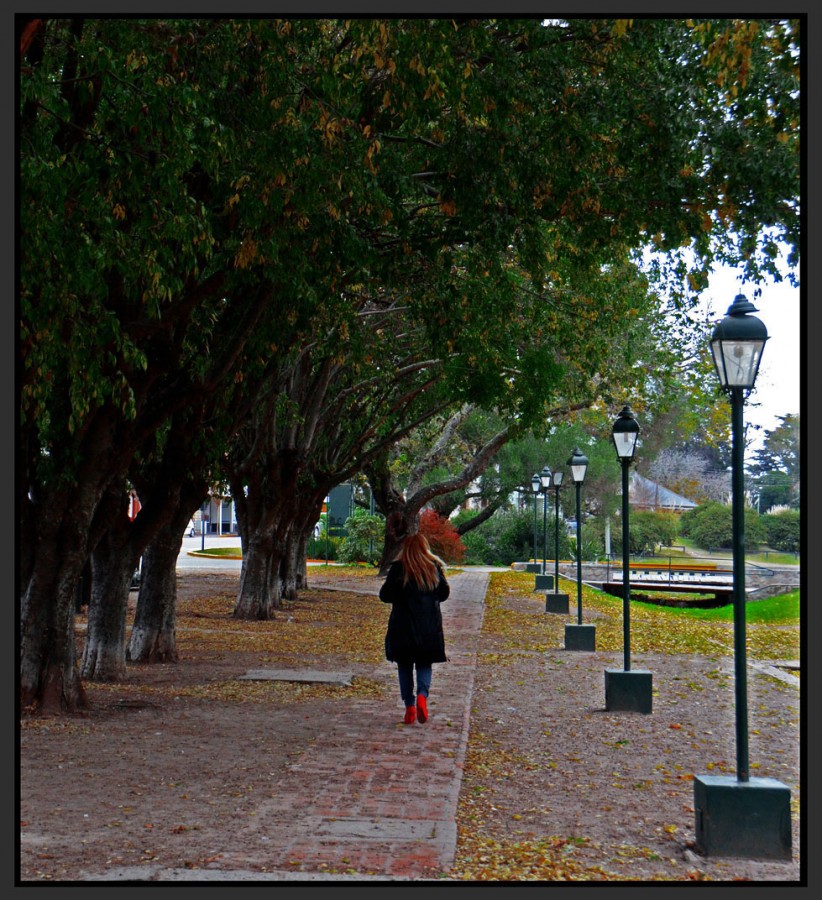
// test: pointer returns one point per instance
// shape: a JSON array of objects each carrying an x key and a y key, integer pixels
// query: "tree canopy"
[{"x": 206, "y": 203}]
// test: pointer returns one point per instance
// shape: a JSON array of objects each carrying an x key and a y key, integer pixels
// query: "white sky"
[{"x": 777, "y": 389}]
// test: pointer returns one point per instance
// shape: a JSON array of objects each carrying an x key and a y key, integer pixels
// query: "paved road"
[{"x": 190, "y": 544}]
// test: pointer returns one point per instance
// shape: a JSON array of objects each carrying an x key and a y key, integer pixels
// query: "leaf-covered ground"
[
  {"x": 558, "y": 789},
  {"x": 554, "y": 787}
]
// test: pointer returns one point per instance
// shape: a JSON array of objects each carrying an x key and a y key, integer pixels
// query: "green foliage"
[
  {"x": 593, "y": 546},
  {"x": 476, "y": 549},
  {"x": 471, "y": 165},
  {"x": 781, "y": 449},
  {"x": 775, "y": 489},
  {"x": 783, "y": 530},
  {"x": 776, "y": 468},
  {"x": 322, "y": 547},
  {"x": 710, "y": 526},
  {"x": 363, "y": 539},
  {"x": 508, "y": 536},
  {"x": 647, "y": 529}
]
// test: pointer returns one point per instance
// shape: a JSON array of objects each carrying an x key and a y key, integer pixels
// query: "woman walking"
[{"x": 415, "y": 586}]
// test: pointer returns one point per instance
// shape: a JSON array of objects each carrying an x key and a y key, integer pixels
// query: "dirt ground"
[{"x": 118, "y": 785}]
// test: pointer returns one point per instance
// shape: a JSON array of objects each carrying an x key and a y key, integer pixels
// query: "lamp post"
[
  {"x": 557, "y": 477},
  {"x": 626, "y": 690},
  {"x": 741, "y": 816},
  {"x": 556, "y": 602},
  {"x": 544, "y": 582},
  {"x": 535, "y": 488},
  {"x": 579, "y": 636}
]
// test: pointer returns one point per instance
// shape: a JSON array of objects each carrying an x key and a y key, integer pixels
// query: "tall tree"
[
  {"x": 776, "y": 468},
  {"x": 186, "y": 184},
  {"x": 137, "y": 292}
]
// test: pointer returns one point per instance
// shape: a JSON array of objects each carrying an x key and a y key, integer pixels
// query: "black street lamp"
[
  {"x": 557, "y": 477},
  {"x": 535, "y": 488},
  {"x": 742, "y": 816},
  {"x": 627, "y": 690},
  {"x": 544, "y": 582},
  {"x": 556, "y": 602},
  {"x": 579, "y": 636}
]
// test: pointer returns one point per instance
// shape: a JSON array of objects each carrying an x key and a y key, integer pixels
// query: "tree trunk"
[
  {"x": 301, "y": 561},
  {"x": 84, "y": 588},
  {"x": 63, "y": 526},
  {"x": 391, "y": 542},
  {"x": 290, "y": 569},
  {"x": 113, "y": 562},
  {"x": 265, "y": 511},
  {"x": 309, "y": 510},
  {"x": 260, "y": 579},
  {"x": 49, "y": 679},
  {"x": 388, "y": 500},
  {"x": 153, "y": 634}
]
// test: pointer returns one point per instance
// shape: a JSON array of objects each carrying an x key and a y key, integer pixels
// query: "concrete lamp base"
[
  {"x": 749, "y": 819},
  {"x": 628, "y": 691},
  {"x": 556, "y": 603},
  {"x": 543, "y": 582},
  {"x": 580, "y": 637}
]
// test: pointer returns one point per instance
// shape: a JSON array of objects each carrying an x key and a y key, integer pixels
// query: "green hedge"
[
  {"x": 710, "y": 526},
  {"x": 783, "y": 530}
]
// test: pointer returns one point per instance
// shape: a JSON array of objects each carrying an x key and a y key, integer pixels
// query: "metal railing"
[{"x": 676, "y": 568}]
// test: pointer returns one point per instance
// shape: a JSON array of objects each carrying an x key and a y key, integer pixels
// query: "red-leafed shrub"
[{"x": 442, "y": 536}]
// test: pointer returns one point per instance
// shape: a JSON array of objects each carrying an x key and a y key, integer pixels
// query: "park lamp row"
[
  {"x": 578, "y": 463},
  {"x": 736, "y": 816},
  {"x": 546, "y": 478}
]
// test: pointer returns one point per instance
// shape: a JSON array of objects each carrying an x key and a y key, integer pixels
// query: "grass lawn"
[{"x": 762, "y": 555}]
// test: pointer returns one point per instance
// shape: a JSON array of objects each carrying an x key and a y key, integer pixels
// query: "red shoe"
[
  {"x": 410, "y": 715},
  {"x": 422, "y": 709}
]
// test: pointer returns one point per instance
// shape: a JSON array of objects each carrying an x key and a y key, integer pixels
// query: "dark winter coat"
[{"x": 415, "y": 625}]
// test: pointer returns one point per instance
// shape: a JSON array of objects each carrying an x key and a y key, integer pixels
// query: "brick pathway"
[{"x": 372, "y": 796}]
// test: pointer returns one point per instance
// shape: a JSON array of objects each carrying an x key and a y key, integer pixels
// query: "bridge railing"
[{"x": 677, "y": 568}]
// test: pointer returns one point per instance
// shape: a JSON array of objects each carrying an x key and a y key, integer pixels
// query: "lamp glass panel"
[
  {"x": 578, "y": 473},
  {"x": 737, "y": 362},
  {"x": 625, "y": 442}
]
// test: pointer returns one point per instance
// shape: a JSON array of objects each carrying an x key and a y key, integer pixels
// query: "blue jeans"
[{"x": 406, "y": 676}]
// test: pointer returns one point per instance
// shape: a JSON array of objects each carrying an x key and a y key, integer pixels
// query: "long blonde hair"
[{"x": 419, "y": 562}]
